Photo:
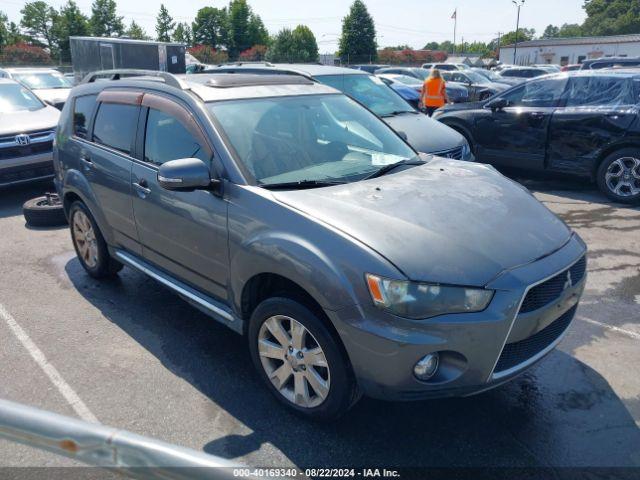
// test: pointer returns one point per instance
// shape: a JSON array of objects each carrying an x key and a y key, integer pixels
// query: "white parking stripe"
[
  {"x": 613, "y": 328},
  {"x": 50, "y": 371}
]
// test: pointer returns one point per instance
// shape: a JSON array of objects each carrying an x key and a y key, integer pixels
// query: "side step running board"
[{"x": 204, "y": 303}]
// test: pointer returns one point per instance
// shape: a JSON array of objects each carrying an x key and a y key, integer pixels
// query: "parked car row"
[
  {"x": 48, "y": 84},
  {"x": 299, "y": 216},
  {"x": 584, "y": 123}
]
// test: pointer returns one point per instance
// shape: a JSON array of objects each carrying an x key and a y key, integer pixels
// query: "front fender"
[
  {"x": 296, "y": 259},
  {"x": 75, "y": 183}
]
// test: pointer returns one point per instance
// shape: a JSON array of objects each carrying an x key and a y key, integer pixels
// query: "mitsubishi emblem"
[{"x": 569, "y": 282}]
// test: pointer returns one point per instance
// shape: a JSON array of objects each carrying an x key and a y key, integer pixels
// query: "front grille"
[
  {"x": 26, "y": 150},
  {"x": 23, "y": 173},
  {"x": 454, "y": 153},
  {"x": 516, "y": 353},
  {"x": 34, "y": 136},
  {"x": 545, "y": 293}
]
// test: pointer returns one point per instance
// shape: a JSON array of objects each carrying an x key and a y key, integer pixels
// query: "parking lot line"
[
  {"x": 613, "y": 328},
  {"x": 63, "y": 387}
]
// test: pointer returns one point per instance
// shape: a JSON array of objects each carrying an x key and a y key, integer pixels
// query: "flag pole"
[{"x": 455, "y": 28}]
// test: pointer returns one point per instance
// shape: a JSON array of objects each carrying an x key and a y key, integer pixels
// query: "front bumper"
[
  {"x": 477, "y": 351},
  {"x": 25, "y": 169}
]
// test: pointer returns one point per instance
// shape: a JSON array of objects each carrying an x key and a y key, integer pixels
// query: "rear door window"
[
  {"x": 601, "y": 91},
  {"x": 82, "y": 111},
  {"x": 543, "y": 93},
  {"x": 168, "y": 139},
  {"x": 115, "y": 126}
]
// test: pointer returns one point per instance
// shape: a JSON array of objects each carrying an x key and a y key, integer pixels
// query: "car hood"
[
  {"x": 53, "y": 95},
  {"x": 425, "y": 134},
  {"x": 446, "y": 222},
  {"x": 28, "y": 121}
]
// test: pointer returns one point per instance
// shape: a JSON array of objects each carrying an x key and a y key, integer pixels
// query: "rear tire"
[
  {"x": 618, "y": 176},
  {"x": 89, "y": 243},
  {"x": 294, "y": 371}
]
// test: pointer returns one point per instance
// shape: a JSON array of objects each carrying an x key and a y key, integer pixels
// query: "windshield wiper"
[
  {"x": 388, "y": 168},
  {"x": 397, "y": 112},
  {"x": 301, "y": 184}
]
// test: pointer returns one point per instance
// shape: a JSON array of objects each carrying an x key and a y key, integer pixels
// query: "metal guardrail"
[{"x": 110, "y": 448}]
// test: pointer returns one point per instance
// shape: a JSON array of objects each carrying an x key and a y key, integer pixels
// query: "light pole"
[{"x": 518, "y": 4}]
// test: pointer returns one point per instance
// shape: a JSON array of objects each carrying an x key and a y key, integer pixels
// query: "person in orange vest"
[{"x": 434, "y": 92}]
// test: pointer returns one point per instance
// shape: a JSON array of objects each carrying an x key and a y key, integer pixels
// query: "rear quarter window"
[
  {"x": 82, "y": 111},
  {"x": 115, "y": 126}
]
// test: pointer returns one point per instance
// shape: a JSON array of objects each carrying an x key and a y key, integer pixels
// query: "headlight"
[{"x": 423, "y": 300}]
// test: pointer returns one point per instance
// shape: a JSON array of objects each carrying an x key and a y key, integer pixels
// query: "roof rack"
[
  {"x": 168, "y": 78},
  {"x": 239, "y": 64}
]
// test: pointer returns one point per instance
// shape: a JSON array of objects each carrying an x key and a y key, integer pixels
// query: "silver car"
[
  {"x": 48, "y": 84},
  {"x": 27, "y": 129}
]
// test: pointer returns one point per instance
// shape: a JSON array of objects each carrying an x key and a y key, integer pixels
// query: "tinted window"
[
  {"x": 601, "y": 91},
  {"x": 82, "y": 110},
  {"x": 545, "y": 93},
  {"x": 168, "y": 139},
  {"x": 115, "y": 126}
]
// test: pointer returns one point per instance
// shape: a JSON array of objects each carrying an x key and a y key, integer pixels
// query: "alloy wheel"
[
  {"x": 85, "y": 238},
  {"x": 623, "y": 177},
  {"x": 294, "y": 361}
]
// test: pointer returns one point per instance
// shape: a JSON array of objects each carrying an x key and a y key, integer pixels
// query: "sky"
[{"x": 412, "y": 22}]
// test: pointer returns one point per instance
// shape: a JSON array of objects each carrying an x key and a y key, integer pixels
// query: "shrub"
[
  {"x": 24, "y": 54},
  {"x": 206, "y": 54}
]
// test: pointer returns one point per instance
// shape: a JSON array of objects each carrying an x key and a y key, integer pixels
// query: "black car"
[
  {"x": 611, "y": 62},
  {"x": 582, "y": 123}
]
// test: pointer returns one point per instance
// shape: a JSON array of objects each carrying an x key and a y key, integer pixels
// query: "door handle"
[
  {"x": 536, "y": 114},
  {"x": 86, "y": 160},
  {"x": 142, "y": 188}
]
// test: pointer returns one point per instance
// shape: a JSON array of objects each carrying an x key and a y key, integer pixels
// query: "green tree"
[
  {"x": 570, "y": 30},
  {"x": 136, "y": 32},
  {"x": 551, "y": 32},
  {"x": 258, "y": 34},
  {"x": 4, "y": 30},
  {"x": 104, "y": 21},
  {"x": 164, "y": 24},
  {"x": 69, "y": 22},
  {"x": 358, "y": 40},
  {"x": 294, "y": 46},
  {"x": 524, "y": 35},
  {"x": 211, "y": 27},
  {"x": 432, "y": 46},
  {"x": 611, "y": 17},
  {"x": 13, "y": 34},
  {"x": 38, "y": 20},
  {"x": 183, "y": 34}
]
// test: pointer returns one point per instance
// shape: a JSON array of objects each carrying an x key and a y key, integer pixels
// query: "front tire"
[
  {"x": 89, "y": 243},
  {"x": 618, "y": 176},
  {"x": 300, "y": 360}
]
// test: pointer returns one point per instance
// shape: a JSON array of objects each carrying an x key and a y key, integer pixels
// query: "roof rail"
[
  {"x": 239, "y": 64},
  {"x": 168, "y": 78}
]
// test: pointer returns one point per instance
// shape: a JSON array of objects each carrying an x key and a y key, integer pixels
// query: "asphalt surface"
[{"x": 141, "y": 359}]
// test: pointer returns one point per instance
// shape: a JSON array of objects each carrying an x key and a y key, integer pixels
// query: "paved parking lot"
[{"x": 139, "y": 358}]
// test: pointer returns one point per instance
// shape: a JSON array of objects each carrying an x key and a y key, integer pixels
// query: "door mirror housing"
[
  {"x": 186, "y": 175},
  {"x": 498, "y": 104}
]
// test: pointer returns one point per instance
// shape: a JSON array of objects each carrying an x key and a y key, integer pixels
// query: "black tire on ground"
[
  {"x": 343, "y": 390},
  {"x": 106, "y": 266},
  {"x": 602, "y": 172},
  {"x": 40, "y": 212}
]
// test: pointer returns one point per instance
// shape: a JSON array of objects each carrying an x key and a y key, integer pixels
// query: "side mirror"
[
  {"x": 186, "y": 175},
  {"x": 498, "y": 104},
  {"x": 402, "y": 135}
]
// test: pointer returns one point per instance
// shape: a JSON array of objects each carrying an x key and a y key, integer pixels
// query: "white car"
[
  {"x": 48, "y": 84},
  {"x": 27, "y": 130}
]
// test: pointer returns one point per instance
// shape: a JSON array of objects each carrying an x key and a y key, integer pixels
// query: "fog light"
[{"x": 426, "y": 367}]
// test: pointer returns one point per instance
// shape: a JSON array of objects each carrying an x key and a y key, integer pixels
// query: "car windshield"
[
  {"x": 423, "y": 73},
  {"x": 38, "y": 81},
  {"x": 311, "y": 138},
  {"x": 15, "y": 98},
  {"x": 370, "y": 91},
  {"x": 476, "y": 77},
  {"x": 493, "y": 76}
]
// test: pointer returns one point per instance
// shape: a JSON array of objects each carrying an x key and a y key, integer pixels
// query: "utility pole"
[
  {"x": 518, "y": 4},
  {"x": 499, "y": 41},
  {"x": 455, "y": 27}
]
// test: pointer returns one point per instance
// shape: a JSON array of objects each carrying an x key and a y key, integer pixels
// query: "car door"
[
  {"x": 106, "y": 159},
  {"x": 183, "y": 233},
  {"x": 597, "y": 112},
  {"x": 516, "y": 134}
]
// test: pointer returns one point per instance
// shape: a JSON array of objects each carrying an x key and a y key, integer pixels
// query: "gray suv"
[{"x": 295, "y": 216}]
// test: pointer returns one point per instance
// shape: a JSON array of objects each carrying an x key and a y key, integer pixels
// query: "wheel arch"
[{"x": 628, "y": 143}]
